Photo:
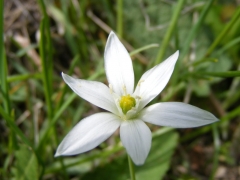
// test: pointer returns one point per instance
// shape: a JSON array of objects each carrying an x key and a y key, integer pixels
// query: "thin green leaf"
[
  {"x": 195, "y": 28},
  {"x": 62, "y": 18},
  {"x": 223, "y": 32},
  {"x": 24, "y": 51},
  {"x": 3, "y": 79},
  {"x": 197, "y": 62},
  {"x": 228, "y": 45},
  {"x": 136, "y": 51},
  {"x": 170, "y": 30},
  {"x": 13, "y": 126},
  {"x": 3, "y": 65},
  {"x": 46, "y": 57},
  {"x": 23, "y": 77},
  {"x": 221, "y": 74}
]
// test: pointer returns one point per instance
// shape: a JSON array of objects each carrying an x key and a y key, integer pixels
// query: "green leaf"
[
  {"x": 155, "y": 167},
  {"x": 26, "y": 164},
  {"x": 159, "y": 158}
]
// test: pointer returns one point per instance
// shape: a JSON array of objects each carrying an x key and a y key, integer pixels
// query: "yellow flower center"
[{"x": 127, "y": 103}]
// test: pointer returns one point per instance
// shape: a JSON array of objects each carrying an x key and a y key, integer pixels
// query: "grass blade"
[
  {"x": 46, "y": 57},
  {"x": 224, "y": 32},
  {"x": 170, "y": 30},
  {"x": 195, "y": 28},
  {"x": 225, "y": 74},
  {"x": 3, "y": 65},
  {"x": 136, "y": 51}
]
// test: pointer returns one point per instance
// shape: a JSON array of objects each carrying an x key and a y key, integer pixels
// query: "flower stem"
[
  {"x": 120, "y": 18},
  {"x": 131, "y": 168}
]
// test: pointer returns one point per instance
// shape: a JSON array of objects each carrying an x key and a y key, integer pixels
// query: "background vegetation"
[{"x": 40, "y": 39}]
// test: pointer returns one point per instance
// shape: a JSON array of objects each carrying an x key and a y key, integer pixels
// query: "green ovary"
[{"x": 127, "y": 103}]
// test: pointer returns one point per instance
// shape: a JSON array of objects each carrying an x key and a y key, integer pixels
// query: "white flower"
[{"x": 126, "y": 106}]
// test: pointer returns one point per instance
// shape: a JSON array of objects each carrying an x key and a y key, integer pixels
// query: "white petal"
[
  {"x": 176, "y": 114},
  {"x": 154, "y": 80},
  {"x": 118, "y": 66},
  {"x": 88, "y": 134},
  {"x": 95, "y": 92},
  {"x": 136, "y": 138}
]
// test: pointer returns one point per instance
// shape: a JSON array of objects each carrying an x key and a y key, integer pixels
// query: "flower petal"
[
  {"x": 154, "y": 80},
  {"x": 118, "y": 66},
  {"x": 136, "y": 138},
  {"x": 88, "y": 134},
  {"x": 176, "y": 114},
  {"x": 95, "y": 92}
]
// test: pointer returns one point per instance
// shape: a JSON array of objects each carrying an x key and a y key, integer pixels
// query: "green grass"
[{"x": 38, "y": 109}]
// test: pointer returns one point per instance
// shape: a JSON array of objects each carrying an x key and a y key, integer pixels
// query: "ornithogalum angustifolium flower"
[{"x": 126, "y": 106}]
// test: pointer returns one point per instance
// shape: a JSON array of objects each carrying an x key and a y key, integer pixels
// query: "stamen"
[
  {"x": 110, "y": 87},
  {"x": 141, "y": 81},
  {"x": 124, "y": 90},
  {"x": 138, "y": 97},
  {"x": 127, "y": 103}
]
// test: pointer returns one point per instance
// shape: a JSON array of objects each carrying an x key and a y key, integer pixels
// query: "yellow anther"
[
  {"x": 127, "y": 103},
  {"x": 141, "y": 81},
  {"x": 138, "y": 97},
  {"x": 111, "y": 88}
]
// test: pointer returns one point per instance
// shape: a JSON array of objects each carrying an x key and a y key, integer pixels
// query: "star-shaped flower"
[{"x": 127, "y": 107}]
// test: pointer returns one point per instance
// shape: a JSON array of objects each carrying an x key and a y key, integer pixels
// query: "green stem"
[
  {"x": 131, "y": 168},
  {"x": 216, "y": 148},
  {"x": 119, "y": 18},
  {"x": 170, "y": 30}
]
